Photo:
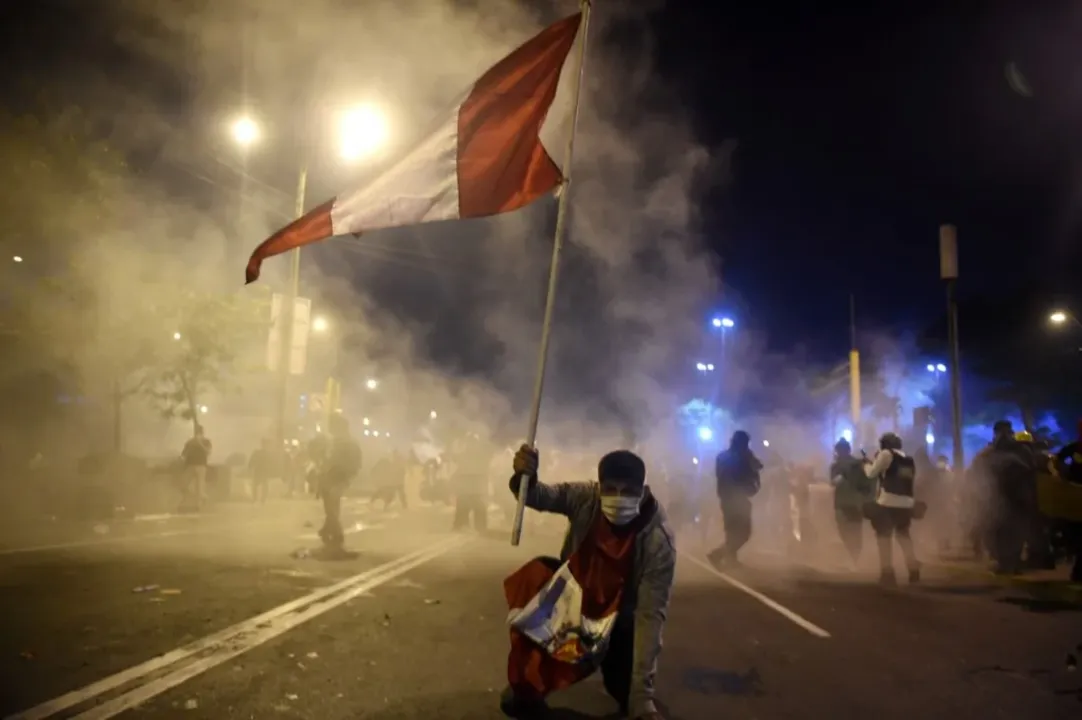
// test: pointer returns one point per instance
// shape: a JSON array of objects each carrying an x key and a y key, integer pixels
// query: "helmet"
[{"x": 1023, "y": 436}]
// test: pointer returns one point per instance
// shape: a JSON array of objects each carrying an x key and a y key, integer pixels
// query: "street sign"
[
  {"x": 948, "y": 252},
  {"x": 302, "y": 316}
]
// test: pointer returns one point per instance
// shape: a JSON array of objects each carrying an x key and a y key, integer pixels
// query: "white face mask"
[{"x": 620, "y": 510}]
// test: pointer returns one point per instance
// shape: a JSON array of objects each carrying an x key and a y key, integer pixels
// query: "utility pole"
[
  {"x": 287, "y": 318},
  {"x": 948, "y": 272},
  {"x": 854, "y": 372}
]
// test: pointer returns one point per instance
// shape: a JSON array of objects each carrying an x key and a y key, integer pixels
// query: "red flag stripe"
[{"x": 502, "y": 165}]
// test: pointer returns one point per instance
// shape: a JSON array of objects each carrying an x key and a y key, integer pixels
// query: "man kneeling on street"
[{"x": 603, "y": 603}]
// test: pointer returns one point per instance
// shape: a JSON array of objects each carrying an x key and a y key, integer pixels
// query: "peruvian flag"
[{"x": 491, "y": 154}]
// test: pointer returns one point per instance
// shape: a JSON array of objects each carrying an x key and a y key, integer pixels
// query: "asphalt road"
[{"x": 212, "y": 617}]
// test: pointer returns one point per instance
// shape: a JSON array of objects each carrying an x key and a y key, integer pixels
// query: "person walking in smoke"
[
  {"x": 892, "y": 511},
  {"x": 196, "y": 457},
  {"x": 342, "y": 463},
  {"x": 737, "y": 473},
  {"x": 471, "y": 457},
  {"x": 619, "y": 558},
  {"x": 852, "y": 490}
]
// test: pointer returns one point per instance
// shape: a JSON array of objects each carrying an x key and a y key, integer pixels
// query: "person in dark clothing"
[
  {"x": 390, "y": 473},
  {"x": 1003, "y": 473},
  {"x": 891, "y": 512},
  {"x": 260, "y": 466},
  {"x": 196, "y": 456},
  {"x": 342, "y": 463},
  {"x": 471, "y": 459},
  {"x": 737, "y": 473},
  {"x": 1069, "y": 459},
  {"x": 852, "y": 490},
  {"x": 1037, "y": 532}
]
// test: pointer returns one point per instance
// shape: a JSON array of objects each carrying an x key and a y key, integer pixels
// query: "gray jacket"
[{"x": 646, "y": 600}]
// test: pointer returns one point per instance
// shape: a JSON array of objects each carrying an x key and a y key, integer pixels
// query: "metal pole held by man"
[{"x": 554, "y": 272}]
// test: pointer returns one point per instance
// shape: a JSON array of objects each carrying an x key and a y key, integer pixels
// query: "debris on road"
[
  {"x": 431, "y": 601},
  {"x": 312, "y": 655},
  {"x": 145, "y": 588},
  {"x": 191, "y": 704},
  {"x": 291, "y": 696},
  {"x": 170, "y": 591}
]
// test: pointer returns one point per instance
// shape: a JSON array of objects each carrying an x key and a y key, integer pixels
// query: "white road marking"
[
  {"x": 351, "y": 530},
  {"x": 224, "y": 645},
  {"x": 162, "y": 516},
  {"x": 100, "y": 541},
  {"x": 772, "y": 604}
]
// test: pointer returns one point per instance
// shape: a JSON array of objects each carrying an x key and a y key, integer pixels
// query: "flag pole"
[{"x": 554, "y": 272}]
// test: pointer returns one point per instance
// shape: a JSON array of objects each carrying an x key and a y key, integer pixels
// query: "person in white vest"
[{"x": 891, "y": 513}]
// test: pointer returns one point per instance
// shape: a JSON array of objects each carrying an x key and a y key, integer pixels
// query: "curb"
[{"x": 1062, "y": 591}]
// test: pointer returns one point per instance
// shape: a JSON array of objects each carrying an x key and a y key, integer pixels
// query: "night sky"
[{"x": 859, "y": 131}]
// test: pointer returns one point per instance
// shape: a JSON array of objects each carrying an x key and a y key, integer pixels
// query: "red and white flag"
[{"x": 492, "y": 153}]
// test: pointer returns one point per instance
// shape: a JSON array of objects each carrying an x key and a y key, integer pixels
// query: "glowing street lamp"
[
  {"x": 204, "y": 409},
  {"x": 941, "y": 368},
  {"x": 371, "y": 383},
  {"x": 363, "y": 131},
  {"x": 320, "y": 324},
  {"x": 245, "y": 131},
  {"x": 727, "y": 322},
  {"x": 17, "y": 258},
  {"x": 176, "y": 336},
  {"x": 1058, "y": 317},
  {"x": 706, "y": 434},
  {"x": 433, "y": 415}
]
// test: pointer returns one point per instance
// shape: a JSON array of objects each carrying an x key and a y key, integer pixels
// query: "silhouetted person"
[
  {"x": 343, "y": 462},
  {"x": 852, "y": 490},
  {"x": 737, "y": 472}
]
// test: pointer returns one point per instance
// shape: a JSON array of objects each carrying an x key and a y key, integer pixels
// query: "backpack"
[{"x": 900, "y": 477}]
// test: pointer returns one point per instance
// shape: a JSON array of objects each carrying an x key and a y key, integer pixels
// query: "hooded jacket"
[{"x": 647, "y": 595}]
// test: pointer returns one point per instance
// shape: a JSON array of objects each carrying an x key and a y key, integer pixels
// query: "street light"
[
  {"x": 941, "y": 368},
  {"x": 433, "y": 415},
  {"x": 245, "y": 131},
  {"x": 1058, "y": 317},
  {"x": 364, "y": 421},
  {"x": 176, "y": 336},
  {"x": 17, "y": 258},
  {"x": 204, "y": 409},
  {"x": 363, "y": 132},
  {"x": 706, "y": 434},
  {"x": 710, "y": 367},
  {"x": 371, "y": 383},
  {"x": 320, "y": 324},
  {"x": 727, "y": 322}
]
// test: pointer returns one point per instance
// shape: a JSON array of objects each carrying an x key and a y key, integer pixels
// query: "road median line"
[
  {"x": 774, "y": 605},
  {"x": 228, "y": 643}
]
